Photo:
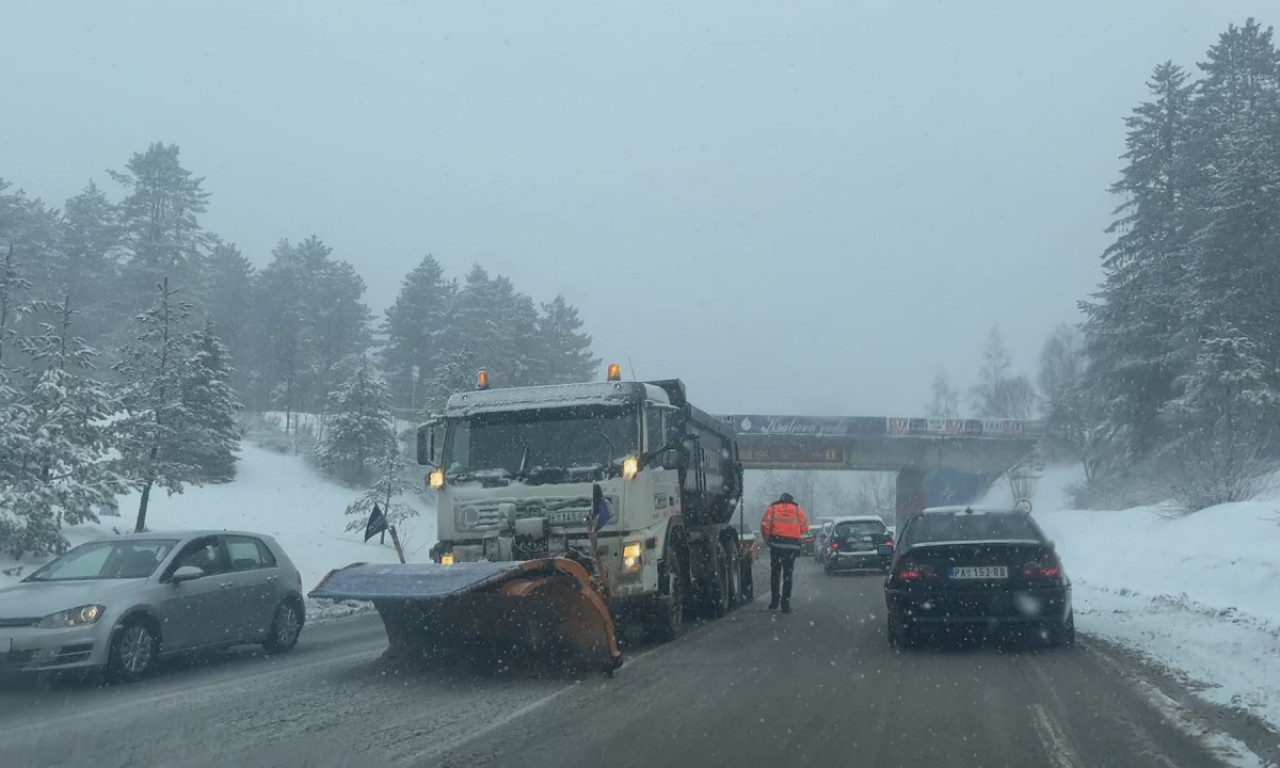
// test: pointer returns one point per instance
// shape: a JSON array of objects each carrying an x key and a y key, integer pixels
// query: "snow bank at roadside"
[
  {"x": 1198, "y": 594},
  {"x": 276, "y": 494}
]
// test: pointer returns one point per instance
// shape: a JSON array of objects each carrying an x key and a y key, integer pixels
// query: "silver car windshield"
[{"x": 133, "y": 559}]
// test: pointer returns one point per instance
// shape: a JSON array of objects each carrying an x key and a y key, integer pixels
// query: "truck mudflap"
[{"x": 546, "y": 609}]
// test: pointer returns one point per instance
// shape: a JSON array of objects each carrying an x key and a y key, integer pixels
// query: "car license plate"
[{"x": 980, "y": 572}]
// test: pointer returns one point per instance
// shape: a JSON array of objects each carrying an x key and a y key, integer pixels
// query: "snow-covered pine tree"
[
  {"x": 564, "y": 347},
  {"x": 360, "y": 427},
  {"x": 388, "y": 492},
  {"x": 1236, "y": 252},
  {"x": 213, "y": 439},
  {"x": 1226, "y": 420},
  {"x": 53, "y": 438},
  {"x": 1134, "y": 331},
  {"x": 160, "y": 217},
  {"x": 90, "y": 267},
  {"x": 415, "y": 327},
  {"x": 229, "y": 288},
  {"x": 456, "y": 374},
  {"x": 153, "y": 435}
]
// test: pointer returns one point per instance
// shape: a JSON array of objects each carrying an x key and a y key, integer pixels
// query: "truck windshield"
[{"x": 557, "y": 438}]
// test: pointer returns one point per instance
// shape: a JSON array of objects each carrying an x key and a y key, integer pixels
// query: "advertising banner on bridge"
[{"x": 807, "y": 425}]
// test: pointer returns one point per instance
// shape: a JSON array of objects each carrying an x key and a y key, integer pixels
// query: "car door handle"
[
  {"x": 227, "y": 584},
  {"x": 273, "y": 579}
]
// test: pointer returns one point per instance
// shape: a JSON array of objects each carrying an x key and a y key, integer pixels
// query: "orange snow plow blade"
[{"x": 547, "y": 609}]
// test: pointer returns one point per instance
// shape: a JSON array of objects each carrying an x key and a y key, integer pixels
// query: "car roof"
[
  {"x": 956, "y": 509},
  {"x": 183, "y": 534},
  {"x": 859, "y": 519}
]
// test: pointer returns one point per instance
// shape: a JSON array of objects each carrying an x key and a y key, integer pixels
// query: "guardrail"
[{"x": 882, "y": 426}]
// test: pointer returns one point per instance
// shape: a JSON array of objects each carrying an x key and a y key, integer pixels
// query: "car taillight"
[
  {"x": 835, "y": 545},
  {"x": 1042, "y": 569},
  {"x": 913, "y": 572}
]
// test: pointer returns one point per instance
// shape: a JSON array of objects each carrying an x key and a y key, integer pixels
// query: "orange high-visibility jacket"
[{"x": 783, "y": 520}]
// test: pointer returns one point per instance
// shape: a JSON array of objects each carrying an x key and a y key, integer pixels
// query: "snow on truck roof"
[{"x": 599, "y": 393}]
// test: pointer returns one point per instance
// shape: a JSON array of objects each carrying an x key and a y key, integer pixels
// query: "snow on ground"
[
  {"x": 276, "y": 494},
  {"x": 1198, "y": 594}
]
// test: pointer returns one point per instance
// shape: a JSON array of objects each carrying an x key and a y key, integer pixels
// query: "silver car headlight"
[{"x": 76, "y": 617}]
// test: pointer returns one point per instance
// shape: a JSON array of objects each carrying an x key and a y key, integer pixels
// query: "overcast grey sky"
[{"x": 796, "y": 207}]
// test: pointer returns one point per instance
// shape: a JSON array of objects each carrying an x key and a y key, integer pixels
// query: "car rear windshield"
[
  {"x": 976, "y": 526},
  {"x": 133, "y": 559},
  {"x": 859, "y": 528}
]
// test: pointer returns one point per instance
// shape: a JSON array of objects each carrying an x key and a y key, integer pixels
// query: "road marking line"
[
  {"x": 1055, "y": 742},
  {"x": 441, "y": 749}
]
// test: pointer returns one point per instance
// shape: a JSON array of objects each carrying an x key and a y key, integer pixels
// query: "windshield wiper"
[{"x": 609, "y": 443}]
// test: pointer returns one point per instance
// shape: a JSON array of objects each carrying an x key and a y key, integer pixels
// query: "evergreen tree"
[
  {"x": 160, "y": 217},
  {"x": 230, "y": 304},
  {"x": 415, "y": 326},
  {"x": 213, "y": 439},
  {"x": 55, "y": 448},
  {"x": 153, "y": 435},
  {"x": 360, "y": 429},
  {"x": 308, "y": 319},
  {"x": 90, "y": 265},
  {"x": 1134, "y": 331},
  {"x": 564, "y": 348},
  {"x": 1236, "y": 252},
  {"x": 456, "y": 374},
  {"x": 392, "y": 484}
]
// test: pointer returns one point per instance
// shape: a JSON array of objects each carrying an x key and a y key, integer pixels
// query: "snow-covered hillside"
[
  {"x": 273, "y": 493},
  {"x": 1199, "y": 593}
]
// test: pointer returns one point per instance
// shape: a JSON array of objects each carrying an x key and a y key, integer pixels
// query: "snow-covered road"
[{"x": 712, "y": 697}]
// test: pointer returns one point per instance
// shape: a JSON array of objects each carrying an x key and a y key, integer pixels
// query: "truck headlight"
[
  {"x": 446, "y": 558},
  {"x": 76, "y": 617},
  {"x": 436, "y": 479},
  {"x": 631, "y": 556},
  {"x": 630, "y": 467}
]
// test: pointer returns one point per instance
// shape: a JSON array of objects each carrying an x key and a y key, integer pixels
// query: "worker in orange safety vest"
[{"x": 783, "y": 524}]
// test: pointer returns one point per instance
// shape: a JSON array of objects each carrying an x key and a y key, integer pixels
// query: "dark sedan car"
[{"x": 980, "y": 569}]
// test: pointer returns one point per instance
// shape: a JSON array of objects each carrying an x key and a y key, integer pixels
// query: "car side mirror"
[{"x": 186, "y": 573}]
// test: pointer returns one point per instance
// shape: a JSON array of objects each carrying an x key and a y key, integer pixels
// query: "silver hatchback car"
[{"x": 120, "y": 603}]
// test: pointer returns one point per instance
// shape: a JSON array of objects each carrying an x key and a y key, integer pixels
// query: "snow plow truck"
[{"x": 563, "y": 512}]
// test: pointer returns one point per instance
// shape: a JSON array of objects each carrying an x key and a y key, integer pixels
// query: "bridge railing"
[{"x": 883, "y": 426}]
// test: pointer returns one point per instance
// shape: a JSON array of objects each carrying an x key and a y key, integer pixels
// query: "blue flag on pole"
[
  {"x": 377, "y": 523},
  {"x": 601, "y": 509}
]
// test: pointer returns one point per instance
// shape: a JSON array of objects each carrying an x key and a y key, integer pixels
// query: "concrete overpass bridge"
[{"x": 911, "y": 447}]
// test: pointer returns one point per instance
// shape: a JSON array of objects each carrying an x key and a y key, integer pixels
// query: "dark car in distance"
[{"x": 977, "y": 569}]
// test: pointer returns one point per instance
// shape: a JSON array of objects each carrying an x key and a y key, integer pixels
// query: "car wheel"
[
  {"x": 286, "y": 627},
  {"x": 900, "y": 636},
  {"x": 135, "y": 648},
  {"x": 1064, "y": 635}
]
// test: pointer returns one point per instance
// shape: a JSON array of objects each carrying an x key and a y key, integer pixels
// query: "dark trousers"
[{"x": 782, "y": 564}]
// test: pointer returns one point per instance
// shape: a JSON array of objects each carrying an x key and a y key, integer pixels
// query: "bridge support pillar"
[{"x": 910, "y": 495}]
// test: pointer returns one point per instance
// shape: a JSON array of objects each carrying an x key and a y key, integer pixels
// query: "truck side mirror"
[
  {"x": 427, "y": 444},
  {"x": 670, "y": 459}
]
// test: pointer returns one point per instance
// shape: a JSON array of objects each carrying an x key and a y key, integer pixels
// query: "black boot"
[
  {"x": 773, "y": 604},
  {"x": 786, "y": 606}
]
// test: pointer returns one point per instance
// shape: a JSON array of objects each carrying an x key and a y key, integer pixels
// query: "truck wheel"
[
  {"x": 733, "y": 573},
  {"x": 712, "y": 592},
  {"x": 665, "y": 624},
  {"x": 747, "y": 582}
]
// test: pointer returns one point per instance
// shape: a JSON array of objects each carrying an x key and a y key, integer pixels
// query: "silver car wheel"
[
  {"x": 137, "y": 647},
  {"x": 287, "y": 628}
]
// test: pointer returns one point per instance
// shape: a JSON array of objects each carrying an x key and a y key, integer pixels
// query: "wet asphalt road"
[{"x": 819, "y": 687}]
